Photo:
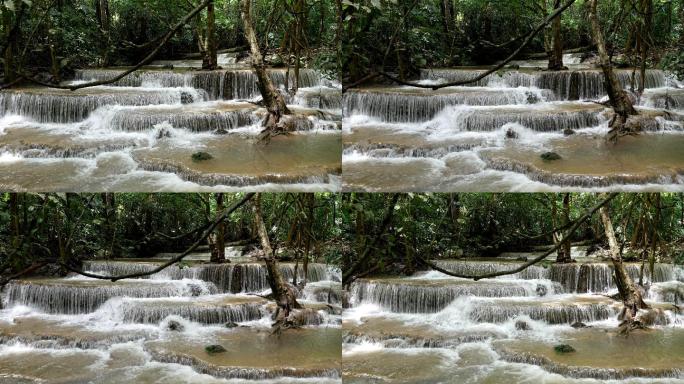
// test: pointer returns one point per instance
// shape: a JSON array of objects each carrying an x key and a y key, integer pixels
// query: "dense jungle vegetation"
[
  {"x": 49, "y": 38},
  {"x": 394, "y": 232},
  {"x": 403, "y": 35}
]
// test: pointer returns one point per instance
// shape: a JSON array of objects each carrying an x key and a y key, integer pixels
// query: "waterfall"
[
  {"x": 85, "y": 296},
  {"x": 556, "y": 313},
  {"x": 416, "y": 106},
  {"x": 143, "y": 311},
  {"x": 402, "y": 296},
  {"x": 68, "y": 107}
]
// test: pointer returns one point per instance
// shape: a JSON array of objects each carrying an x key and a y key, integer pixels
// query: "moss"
[
  {"x": 201, "y": 156},
  {"x": 563, "y": 348}
]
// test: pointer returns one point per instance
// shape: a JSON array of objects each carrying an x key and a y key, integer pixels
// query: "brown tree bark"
[
  {"x": 644, "y": 33},
  {"x": 556, "y": 58},
  {"x": 564, "y": 251},
  {"x": 619, "y": 100},
  {"x": 273, "y": 100},
  {"x": 218, "y": 238},
  {"x": 103, "y": 18},
  {"x": 629, "y": 293},
  {"x": 283, "y": 294},
  {"x": 210, "y": 60}
]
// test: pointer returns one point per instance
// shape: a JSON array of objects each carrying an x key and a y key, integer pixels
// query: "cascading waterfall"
[
  {"x": 415, "y": 107},
  {"x": 399, "y": 321},
  {"x": 499, "y": 126},
  {"x": 65, "y": 107},
  {"x": 228, "y": 277},
  {"x": 167, "y": 319},
  {"x": 165, "y": 112},
  {"x": 85, "y": 298}
]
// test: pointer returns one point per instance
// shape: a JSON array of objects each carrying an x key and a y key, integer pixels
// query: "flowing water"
[
  {"x": 154, "y": 329},
  {"x": 489, "y": 136},
  {"x": 140, "y": 133},
  {"x": 431, "y": 327}
]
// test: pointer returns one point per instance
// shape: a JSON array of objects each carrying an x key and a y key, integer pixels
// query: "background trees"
[
  {"x": 485, "y": 224},
  {"x": 68, "y": 228},
  {"x": 40, "y": 35},
  {"x": 441, "y": 33}
]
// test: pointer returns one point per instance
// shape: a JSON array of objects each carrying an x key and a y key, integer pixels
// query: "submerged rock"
[
  {"x": 550, "y": 156},
  {"x": 214, "y": 348},
  {"x": 201, "y": 156},
  {"x": 511, "y": 134},
  {"x": 186, "y": 98},
  {"x": 175, "y": 326},
  {"x": 568, "y": 131},
  {"x": 232, "y": 324},
  {"x": 563, "y": 348},
  {"x": 522, "y": 326},
  {"x": 541, "y": 290},
  {"x": 578, "y": 324}
]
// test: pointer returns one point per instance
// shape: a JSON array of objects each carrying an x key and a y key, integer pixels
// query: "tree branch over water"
[
  {"x": 526, "y": 41},
  {"x": 223, "y": 216},
  {"x": 586, "y": 216},
  {"x": 144, "y": 62}
]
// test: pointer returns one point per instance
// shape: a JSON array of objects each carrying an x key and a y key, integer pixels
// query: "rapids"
[
  {"x": 140, "y": 133},
  {"x": 154, "y": 330},
  {"x": 489, "y": 135},
  {"x": 431, "y": 327}
]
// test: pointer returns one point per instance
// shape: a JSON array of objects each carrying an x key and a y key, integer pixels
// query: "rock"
[
  {"x": 522, "y": 326},
  {"x": 231, "y": 324},
  {"x": 168, "y": 66},
  {"x": 163, "y": 133},
  {"x": 221, "y": 131},
  {"x": 579, "y": 324},
  {"x": 214, "y": 348},
  {"x": 195, "y": 290},
  {"x": 550, "y": 156},
  {"x": 563, "y": 348},
  {"x": 568, "y": 131},
  {"x": 511, "y": 134},
  {"x": 541, "y": 290},
  {"x": 175, "y": 326},
  {"x": 513, "y": 66},
  {"x": 186, "y": 98},
  {"x": 521, "y": 258},
  {"x": 532, "y": 98},
  {"x": 201, "y": 156}
]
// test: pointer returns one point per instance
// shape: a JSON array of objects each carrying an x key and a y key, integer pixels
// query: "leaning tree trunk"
[
  {"x": 210, "y": 60},
  {"x": 217, "y": 239},
  {"x": 556, "y": 58},
  {"x": 620, "y": 101},
  {"x": 273, "y": 100},
  {"x": 630, "y": 294},
  {"x": 283, "y": 294}
]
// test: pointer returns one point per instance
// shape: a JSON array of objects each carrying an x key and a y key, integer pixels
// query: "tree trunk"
[
  {"x": 645, "y": 31},
  {"x": 629, "y": 293},
  {"x": 556, "y": 59},
  {"x": 283, "y": 294},
  {"x": 565, "y": 249},
  {"x": 621, "y": 103},
  {"x": 210, "y": 60},
  {"x": 10, "y": 48},
  {"x": 273, "y": 100},
  {"x": 218, "y": 246},
  {"x": 103, "y": 18}
]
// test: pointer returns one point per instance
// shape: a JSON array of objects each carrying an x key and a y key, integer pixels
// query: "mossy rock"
[
  {"x": 550, "y": 156},
  {"x": 214, "y": 348},
  {"x": 201, "y": 156},
  {"x": 231, "y": 324},
  {"x": 563, "y": 348}
]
